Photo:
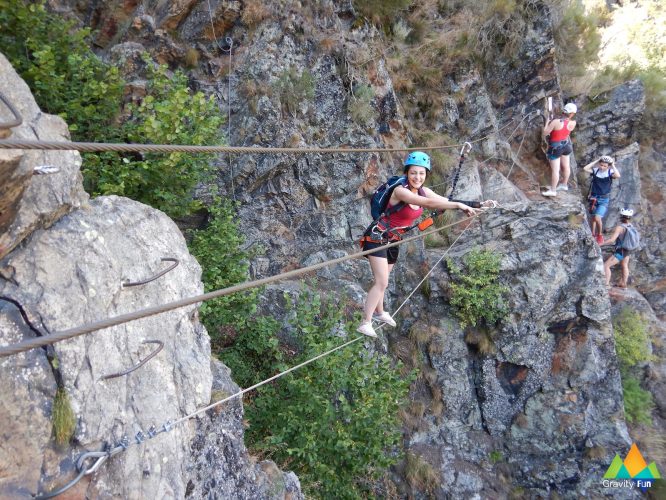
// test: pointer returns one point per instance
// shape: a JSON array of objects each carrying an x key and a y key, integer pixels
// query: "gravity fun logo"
[{"x": 633, "y": 472}]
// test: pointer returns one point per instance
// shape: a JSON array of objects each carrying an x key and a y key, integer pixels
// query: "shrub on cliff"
[
  {"x": 335, "y": 422},
  {"x": 69, "y": 80},
  {"x": 65, "y": 76},
  {"x": 476, "y": 294},
  {"x": 632, "y": 338}
]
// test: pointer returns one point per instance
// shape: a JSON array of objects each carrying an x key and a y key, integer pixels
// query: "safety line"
[
  {"x": 167, "y": 426},
  {"x": 28, "y": 344},
  {"x": 508, "y": 138},
  {"x": 173, "y": 148}
]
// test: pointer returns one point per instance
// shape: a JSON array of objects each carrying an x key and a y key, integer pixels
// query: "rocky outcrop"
[
  {"x": 220, "y": 465},
  {"x": 31, "y": 200},
  {"x": 74, "y": 269},
  {"x": 605, "y": 128}
]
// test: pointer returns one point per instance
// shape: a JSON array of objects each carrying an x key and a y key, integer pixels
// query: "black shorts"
[
  {"x": 390, "y": 254},
  {"x": 557, "y": 149}
]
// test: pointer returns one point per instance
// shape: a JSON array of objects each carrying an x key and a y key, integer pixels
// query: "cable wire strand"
[{"x": 28, "y": 344}]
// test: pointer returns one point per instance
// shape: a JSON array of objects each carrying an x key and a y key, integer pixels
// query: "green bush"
[
  {"x": 68, "y": 79},
  {"x": 245, "y": 342},
  {"x": 62, "y": 417},
  {"x": 632, "y": 338},
  {"x": 335, "y": 423},
  {"x": 169, "y": 114},
  {"x": 476, "y": 295},
  {"x": 638, "y": 403},
  {"x": 54, "y": 59}
]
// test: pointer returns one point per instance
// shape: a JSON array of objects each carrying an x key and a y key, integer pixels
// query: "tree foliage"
[
  {"x": 336, "y": 422},
  {"x": 65, "y": 76}
]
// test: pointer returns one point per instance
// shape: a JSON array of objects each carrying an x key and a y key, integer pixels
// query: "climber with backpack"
[
  {"x": 600, "y": 190},
  {"x": 627, "y": 240},
  {"x": 395, "y": 206},
  {"x": 559, "y": 148}
]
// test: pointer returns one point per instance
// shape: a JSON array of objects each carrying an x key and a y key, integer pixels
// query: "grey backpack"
[{"x": 631, "y": 239}]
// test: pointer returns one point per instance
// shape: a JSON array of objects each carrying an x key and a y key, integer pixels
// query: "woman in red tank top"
[
  {"x": 559, "y": 149},
  {"x": 415, "y": 198}
]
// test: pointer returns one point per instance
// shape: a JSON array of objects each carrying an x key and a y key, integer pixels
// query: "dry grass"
[
  {"x": 254, "y": 12},
  {"x": 191, "y": 58},
  {"x": 412, "y": 416},
  {"x": 482, "y": 341},
  {"x": 420, "y": 475}
]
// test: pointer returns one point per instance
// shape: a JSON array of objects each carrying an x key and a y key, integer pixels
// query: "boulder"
[{"x": 30, "y": 201}]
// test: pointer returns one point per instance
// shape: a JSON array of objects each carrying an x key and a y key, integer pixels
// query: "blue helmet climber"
[
  {"x": 406, "y": 203},
  {"x": 419, "y": 159}
]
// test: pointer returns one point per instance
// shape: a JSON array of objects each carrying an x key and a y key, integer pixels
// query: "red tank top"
[
  {"x": 405, "y": 216},
  {"x": 560, "y": 135}
]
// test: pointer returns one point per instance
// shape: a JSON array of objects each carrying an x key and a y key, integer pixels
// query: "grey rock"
[
  {"x": 72, "y": 274},
  {"x": 28, "y": 387},
  {"x": 28, "y": 203},
  {"x": 611, "y": 126},
  {"x": 220, "y": 465}
]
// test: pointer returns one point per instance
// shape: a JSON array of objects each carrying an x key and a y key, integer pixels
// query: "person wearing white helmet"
[
  {"x": 603, "y": 172},
  {"x": 559, "y": 149},
  {"x": 626, "y": 239}
]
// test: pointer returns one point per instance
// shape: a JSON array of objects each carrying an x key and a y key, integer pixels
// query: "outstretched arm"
[
  {"x": 431, "y": 200},
  {"x": 614, "y": 236}
]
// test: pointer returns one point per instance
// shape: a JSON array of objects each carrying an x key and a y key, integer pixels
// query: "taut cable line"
[
  {"x": 102, "y": 456},
  {"x": 89, "y": 147},
  {"x": 151, "y": 311}
]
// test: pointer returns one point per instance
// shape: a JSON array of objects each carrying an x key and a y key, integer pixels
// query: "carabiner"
[{"x": 465, "y": 145}]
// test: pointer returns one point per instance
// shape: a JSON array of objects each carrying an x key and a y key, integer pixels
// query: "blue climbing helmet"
[{"x": 419, "y": 159}]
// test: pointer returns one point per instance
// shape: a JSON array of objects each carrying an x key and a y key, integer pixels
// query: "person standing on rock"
[
  {"x": 600, "y": 190},
  {"x": 559, "y": 149},
  {"x": 626, "y": 239},
  {"x": 414, "y": 198}
]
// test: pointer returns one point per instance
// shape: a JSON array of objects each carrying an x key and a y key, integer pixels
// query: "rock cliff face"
[
  {"x": 531, "y": 408},
  {"x": 72, "y": 273}
]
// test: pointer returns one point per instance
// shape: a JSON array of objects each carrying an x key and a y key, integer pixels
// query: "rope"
[
  {"x": 89, "y": 147},
  {"x": 151, "y": 311},
  {"x": 173, "y": 148},
  {"x": 167, "y": 426}
]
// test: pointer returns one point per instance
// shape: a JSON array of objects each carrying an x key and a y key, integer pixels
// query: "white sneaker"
[
  {"x": 562, "y": 187},
  {"x": 366, "y": 329},
  {"x": 550, "y": 192},
  {"x": 384, "y": 317}
]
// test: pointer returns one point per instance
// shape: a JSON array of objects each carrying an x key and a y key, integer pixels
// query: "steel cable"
[{"x": 28, "y": 344}]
